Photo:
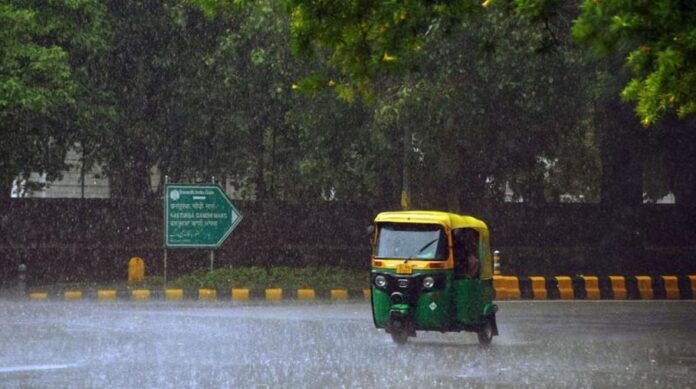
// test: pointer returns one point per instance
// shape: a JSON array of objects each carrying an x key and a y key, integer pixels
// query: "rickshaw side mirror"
[{"x": 370, "y": 230}]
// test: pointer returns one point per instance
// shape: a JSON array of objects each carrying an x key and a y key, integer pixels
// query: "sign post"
[{"x": 197, "y": 216}]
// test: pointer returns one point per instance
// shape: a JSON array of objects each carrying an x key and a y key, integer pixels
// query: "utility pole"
[
  {"x": 164, "y": 193},
  {"x": 212, "y": 250}
]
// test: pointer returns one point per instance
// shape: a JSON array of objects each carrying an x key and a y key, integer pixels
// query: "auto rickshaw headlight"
[
  {"x": 380, "y": 281},
  {"x": 428, "y": 282}
]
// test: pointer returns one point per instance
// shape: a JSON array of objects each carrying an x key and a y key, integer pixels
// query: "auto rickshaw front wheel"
[
  {"x": 399, "y": 336},
  {"x": 485, "y": 334}
]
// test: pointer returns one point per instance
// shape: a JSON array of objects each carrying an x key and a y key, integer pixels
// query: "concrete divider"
[
  {"x": 38, "y": 296},
  {"x": 306, "y": 294},
  {"x": 645, "y": 289},
  {"x": 671, "y": 285},
  {"x": 106, "y": 294},
  {"x": 591, "y": 287},
  {"x": 339, "y": 294},
  {"x": 565, "y": 287},
  {"x": 274, "y": 294},
  {"x": 500, "y": 288},
  {"x": 506, "y": 287},
  {"x": 618, "y": 287},
  {"x": 240, "y": 294},
  {"x": 513, "y": 287},
  {"x": 539, "y": 291},
  {"x": 72, "y": 295},
  {"x": 140, "y": 294},
  {"x": 207, "y": 294},
  {"x": 173, "y": 294}
]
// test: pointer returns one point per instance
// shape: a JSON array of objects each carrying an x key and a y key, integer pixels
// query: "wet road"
[{"x": 191, "y": 344}]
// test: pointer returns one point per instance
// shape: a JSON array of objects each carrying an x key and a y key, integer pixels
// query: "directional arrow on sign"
[{"x": 199, "y": 216}]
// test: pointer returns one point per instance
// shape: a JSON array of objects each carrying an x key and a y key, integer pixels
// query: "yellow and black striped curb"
[
  {"x": 579, "y": 287},
  {"x": 203, "y": 294},
  {"x": 585, "y": 287}
]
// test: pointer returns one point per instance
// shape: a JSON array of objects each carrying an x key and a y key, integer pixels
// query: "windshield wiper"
[{"x": 424, "y": 247}]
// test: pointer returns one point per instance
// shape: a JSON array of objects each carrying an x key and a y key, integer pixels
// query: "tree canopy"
[
  {"x": 660, "y": 37},
  {"x": 365, "y": 39},
  {"x": 466, "y": 99},
  {"x": 43, "y": 49}
]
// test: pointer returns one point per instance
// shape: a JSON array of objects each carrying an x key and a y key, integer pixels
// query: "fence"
[{"x": 93, "y": 239}]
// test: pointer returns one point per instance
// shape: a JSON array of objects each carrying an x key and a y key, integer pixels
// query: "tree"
[
  {"x": 364, "y": 38},
  {"x": 274, "y": 140},
  {"x": 40, "y": 81},
  {"x": 661, "y": 40},
  {"x": 167, "y": 108},
  {"x": 463, "y": 95},
  {"x": 659, "y": 44},
  {"x": 248, "y": 88}
]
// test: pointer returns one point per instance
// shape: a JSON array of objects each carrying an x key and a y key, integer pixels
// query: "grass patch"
[{"x": 253, "y": 277}]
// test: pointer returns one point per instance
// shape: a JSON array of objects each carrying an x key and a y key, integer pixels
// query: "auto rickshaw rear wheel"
[
  {"x": 399, "y": 336},
  {"x": 485, "y": 335}
]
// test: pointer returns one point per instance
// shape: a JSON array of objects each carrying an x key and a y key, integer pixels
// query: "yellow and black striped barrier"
[
  {"x": 578, "y": 287},
  {"x": 204, "y": 294},
  {"x": 585, "y": 287}
]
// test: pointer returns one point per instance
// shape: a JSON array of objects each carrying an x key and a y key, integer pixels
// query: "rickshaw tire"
[
  {"x": 485, "y": 336},
  {"x": 399, "y": 337}
]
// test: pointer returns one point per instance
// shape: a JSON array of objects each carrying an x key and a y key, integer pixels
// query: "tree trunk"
[
  {"x": 6, "y": 185},
  {"x": 535, "y": 183},
  {"x": 260, "y": 151}
]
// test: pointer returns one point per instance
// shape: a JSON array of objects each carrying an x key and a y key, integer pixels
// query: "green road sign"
[{"x": 197, "y": 216}]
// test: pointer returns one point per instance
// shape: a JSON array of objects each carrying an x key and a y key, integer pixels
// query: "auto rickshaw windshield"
[{"x": 411, "y": 241}]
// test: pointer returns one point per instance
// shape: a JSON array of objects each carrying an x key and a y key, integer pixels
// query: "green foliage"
[
  {"x": 661, "y": 40},
  {"x": 290, "y": 278},
  {"x": 470, "y": 89},
  {"x": 480, "y": 120},
  {"x": 203, "y": 89},
  {"x": 172, "y": 104},
  {"x": 40, "y": 81},
  {"x": 364, "y": 38}
]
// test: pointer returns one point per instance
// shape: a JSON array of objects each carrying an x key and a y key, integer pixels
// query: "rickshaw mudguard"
[
  {"x": 400, "y": 311},
  {"x": 490, "y": 309}
]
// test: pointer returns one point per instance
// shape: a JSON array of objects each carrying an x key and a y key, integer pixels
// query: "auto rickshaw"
[{"x": 424, "y": 278}]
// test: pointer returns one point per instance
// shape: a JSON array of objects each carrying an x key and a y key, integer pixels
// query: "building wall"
[{"x": 96, "y": 185}]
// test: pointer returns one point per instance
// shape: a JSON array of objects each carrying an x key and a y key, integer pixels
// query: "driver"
[{"x": 472, "y": 261}]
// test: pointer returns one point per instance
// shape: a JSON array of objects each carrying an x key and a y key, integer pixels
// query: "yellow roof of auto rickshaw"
[{"x": 452, "y": 220}]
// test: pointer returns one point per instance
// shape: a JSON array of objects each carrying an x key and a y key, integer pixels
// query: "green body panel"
[
  {"x": 487, "y": 293},
  {"x": 466, "y": 301},
  {"x": 433, "y": 310},
  {"x": 472, "y": 296},
  {"x": 425, "y": 316},
  {"x": 380, "y": 307}
]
